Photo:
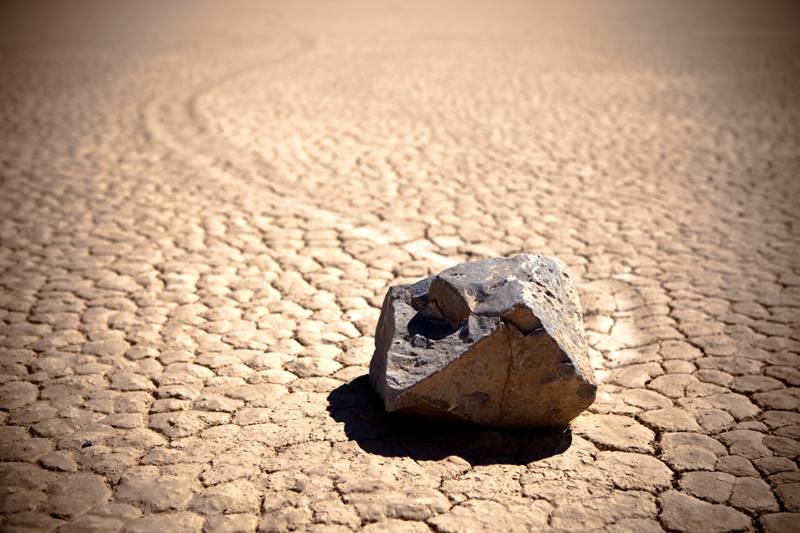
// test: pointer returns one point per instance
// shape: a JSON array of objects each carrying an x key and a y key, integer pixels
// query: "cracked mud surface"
[{"x": 202, "y": 208}]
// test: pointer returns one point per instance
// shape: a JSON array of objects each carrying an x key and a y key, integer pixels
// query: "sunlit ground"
[{"x": 203, "y": 204}]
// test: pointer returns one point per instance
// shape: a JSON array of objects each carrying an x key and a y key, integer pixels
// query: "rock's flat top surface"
[{"x": 203, "y": 205}]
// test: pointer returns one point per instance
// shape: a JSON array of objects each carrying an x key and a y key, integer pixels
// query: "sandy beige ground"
[{"x": 203, "y": 205}]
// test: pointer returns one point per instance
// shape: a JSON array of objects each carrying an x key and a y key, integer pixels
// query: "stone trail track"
[{"x": 203, "y": 204}]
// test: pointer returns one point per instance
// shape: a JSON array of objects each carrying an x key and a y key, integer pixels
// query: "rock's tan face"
[{"x": 202, "y": 205}]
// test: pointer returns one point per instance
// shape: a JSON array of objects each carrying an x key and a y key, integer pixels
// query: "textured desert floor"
[{"x": 202, "y": 206}]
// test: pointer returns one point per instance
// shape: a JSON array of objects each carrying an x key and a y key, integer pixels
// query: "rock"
[{"x": 497, "y": 342}]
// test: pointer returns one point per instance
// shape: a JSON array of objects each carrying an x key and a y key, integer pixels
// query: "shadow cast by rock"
[{"x": 357, "y": 406}]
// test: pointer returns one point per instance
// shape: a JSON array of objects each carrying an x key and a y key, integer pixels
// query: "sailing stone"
[{"x": 498, "y": 342}]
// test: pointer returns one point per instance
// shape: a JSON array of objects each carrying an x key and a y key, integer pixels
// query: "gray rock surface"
[{"x": 497, "y": 342}]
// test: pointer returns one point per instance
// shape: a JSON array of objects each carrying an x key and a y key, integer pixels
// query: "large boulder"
[{"x": 497, "y": 342}]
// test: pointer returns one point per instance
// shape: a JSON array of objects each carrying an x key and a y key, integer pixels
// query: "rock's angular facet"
[{"x": 497, "y": 342}]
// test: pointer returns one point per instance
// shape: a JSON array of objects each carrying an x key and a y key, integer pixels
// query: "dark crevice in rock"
[{"x": 432, "y": 327}]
